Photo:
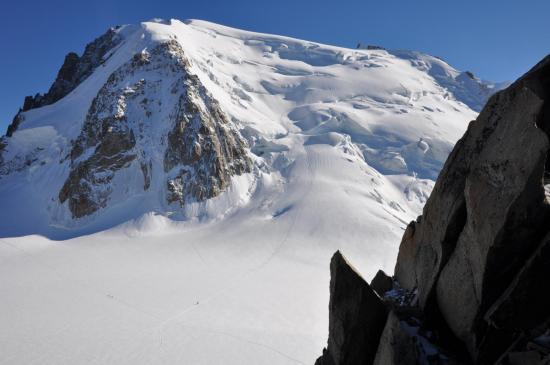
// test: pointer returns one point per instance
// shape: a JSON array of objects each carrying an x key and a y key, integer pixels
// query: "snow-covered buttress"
[{"x": 128, "y": 127}]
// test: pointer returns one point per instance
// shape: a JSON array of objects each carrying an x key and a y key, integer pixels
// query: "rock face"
[
  {"x": 201, "y": 149},
  {"x": 356, "y": 317},
  {"x": 478, "y": 258}
]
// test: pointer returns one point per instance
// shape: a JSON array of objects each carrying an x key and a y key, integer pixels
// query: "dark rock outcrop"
[
  {"x": 356, "y": 317},
  {"x": 203, "y": 148},
  {"x": 74, "y": 70},
  {"x": 369, "y": 47},
  {"x": 381, "y": 283},
  {"x": 12, "y": 127},
  {"x": 478, "y": 259}
]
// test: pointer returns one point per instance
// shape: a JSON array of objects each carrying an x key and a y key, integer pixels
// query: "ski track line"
[
  {"x": 284, "y": 241},
  {"x": 83, "y": 285},
  {"x": 259, "y": 344},
  {"x": 175, "y": 319}
]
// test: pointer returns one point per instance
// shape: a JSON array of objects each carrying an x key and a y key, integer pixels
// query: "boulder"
[{"x": 357, "y": 317}]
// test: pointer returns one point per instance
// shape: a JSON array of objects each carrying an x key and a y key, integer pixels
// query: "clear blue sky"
[{"x": 497, "y": 40}]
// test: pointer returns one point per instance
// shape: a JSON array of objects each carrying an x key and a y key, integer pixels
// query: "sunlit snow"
[{"x": 347, "y": 145}]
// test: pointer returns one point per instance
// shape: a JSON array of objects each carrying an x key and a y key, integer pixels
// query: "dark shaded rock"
[
  {"x": 356, "y": 317},
  {"x": 204, "y": 148},
  {"x": 526, "y": 358},
  {"x": 526, "y": 302},
  {"x": 3, "y": 144},
  {"x": 397, "y": 346},
  {"x": 535, "y": 351},
  {"x": 87, "y": 187},
  {"x": 146, "y": 169},
  {"x": 470, "y": 74},
  {"x": 369, "y": 47},
  {"x": 12, "y": 127},
  {"x": 381, "y": 283},
  {"x": 506, "y": 210},
  {"x": 404, "y": 341},
  {"x": 405, "y": 269}
]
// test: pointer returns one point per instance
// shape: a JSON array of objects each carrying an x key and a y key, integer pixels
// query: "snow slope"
[{"x": 346, "y": 145}]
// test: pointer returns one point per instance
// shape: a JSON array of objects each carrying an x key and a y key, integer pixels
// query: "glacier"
[{"x": 344, "y": 146}]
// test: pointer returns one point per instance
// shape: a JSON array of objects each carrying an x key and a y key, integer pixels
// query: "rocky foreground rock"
[{"x": 471, "y": 283}]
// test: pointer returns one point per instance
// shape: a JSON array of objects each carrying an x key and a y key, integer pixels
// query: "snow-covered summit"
[{"x": 396, "y": 115}]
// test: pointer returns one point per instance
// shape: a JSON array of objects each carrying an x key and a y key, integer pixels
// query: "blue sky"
[{"x": 497, "y": 40}]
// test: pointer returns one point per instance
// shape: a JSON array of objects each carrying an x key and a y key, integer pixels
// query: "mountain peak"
[{"x": 167, "y": 114}]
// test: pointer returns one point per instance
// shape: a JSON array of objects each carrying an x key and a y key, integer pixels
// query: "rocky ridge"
[
  {"x": 470, "y": 279},
  {"x": 202, "y": 149},
  {"x": 74, "y": 70}
]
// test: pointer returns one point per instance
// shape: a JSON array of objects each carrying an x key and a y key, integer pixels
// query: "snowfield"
[{"x": 346, "y": 145}]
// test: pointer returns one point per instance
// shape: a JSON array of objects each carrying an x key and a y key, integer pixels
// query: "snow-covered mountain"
[{"x": 228, "y": 166}]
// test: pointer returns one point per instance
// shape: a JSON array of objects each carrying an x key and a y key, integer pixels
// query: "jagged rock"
[
  {"x": 74, "y": 70},
  {"x": 205, "y": 146},
  {"x": 404, "y": 342},
  {"x": 369, "y": 47},
  {"x": 86, "y": 188},
  {"x": 506, "y": 210},
  {"x": 203, "y": 150},
  {"x": 488, "y": 197},
  {"x": 381, "y": 283},
  {"x": 356, "y": 317},
  {"x": 12, "y": 127}
]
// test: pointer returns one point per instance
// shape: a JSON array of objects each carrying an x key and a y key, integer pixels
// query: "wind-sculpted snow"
[
  {"x": 463, "y": 86},
  {"x": 232, "y": 164}
]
